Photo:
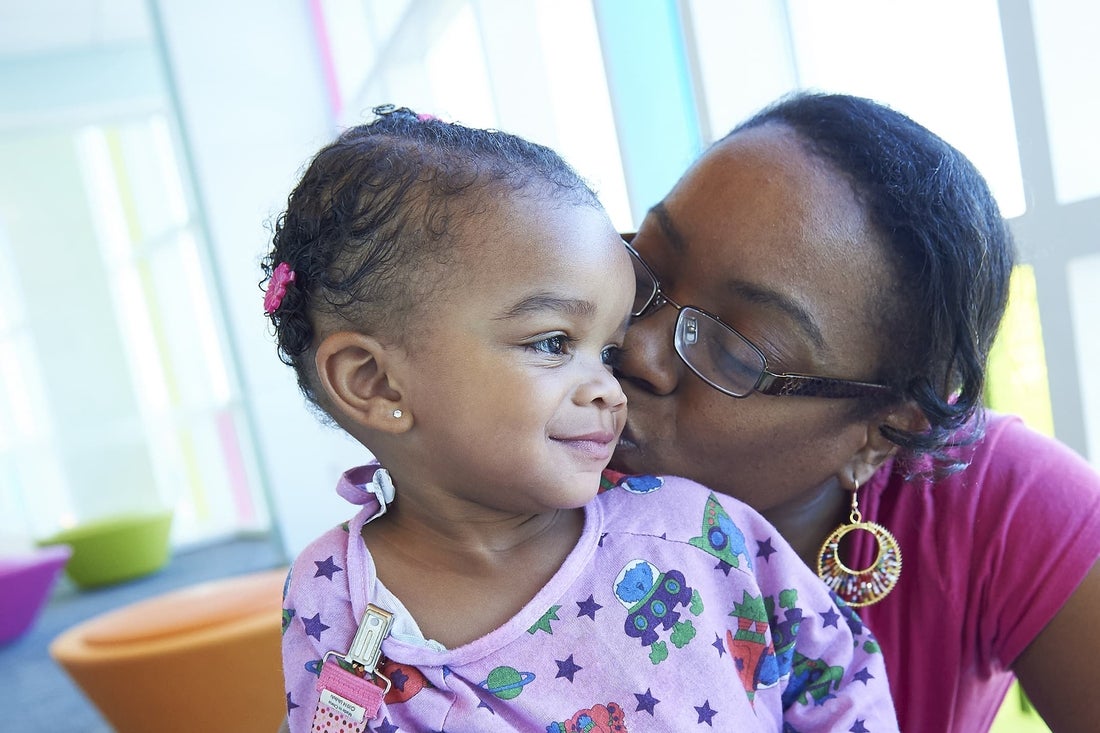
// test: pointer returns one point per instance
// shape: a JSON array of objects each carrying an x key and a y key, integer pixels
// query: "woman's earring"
[
  {"x": 397, "y": 414},
  {"x": 867, "y": 586}
]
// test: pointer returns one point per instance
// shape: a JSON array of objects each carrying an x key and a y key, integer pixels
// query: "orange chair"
[{"x": 203, "y": 658}]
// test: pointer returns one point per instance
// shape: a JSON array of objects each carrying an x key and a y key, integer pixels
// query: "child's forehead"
[
  {"x": 497, "y": 214},
  {"x": 524, "y": 241},
  {"x": 528, "y": 234}
]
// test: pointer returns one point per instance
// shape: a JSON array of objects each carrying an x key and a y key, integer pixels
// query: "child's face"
[{"x": 513, "y": 403}]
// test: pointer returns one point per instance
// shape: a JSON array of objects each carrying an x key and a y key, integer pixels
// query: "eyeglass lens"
[
  {"x": 645, "y": 286},
  {"x": 719, "y": 355},
  {"x": 714, "y": 351}
]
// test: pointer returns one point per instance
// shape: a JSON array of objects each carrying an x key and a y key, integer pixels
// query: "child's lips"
[
  {"x": 602, "y": 436},
  {"x": 597, "y": 445}
]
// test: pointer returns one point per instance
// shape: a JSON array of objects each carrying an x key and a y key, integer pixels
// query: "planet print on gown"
[{"x": 507, "y": 682}]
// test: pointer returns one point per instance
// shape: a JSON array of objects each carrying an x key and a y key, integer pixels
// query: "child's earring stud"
[{"x": 398, "y": 413}]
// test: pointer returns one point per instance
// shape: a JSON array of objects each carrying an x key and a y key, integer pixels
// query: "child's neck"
[{"x": 462, "y": 579}]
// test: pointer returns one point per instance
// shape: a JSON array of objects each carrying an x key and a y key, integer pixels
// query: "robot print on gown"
[{"x": 656, "y": 601}]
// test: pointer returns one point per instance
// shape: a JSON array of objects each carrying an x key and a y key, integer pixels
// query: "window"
[
  {"x": 524, "y": 67},
  {"x": 1069, "y": 66},
  {"x": 959, "y": 88},
  {"x": 117, "y": 391}
]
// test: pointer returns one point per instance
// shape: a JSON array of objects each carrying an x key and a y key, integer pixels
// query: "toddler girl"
[{"x": 453, "y": 298}]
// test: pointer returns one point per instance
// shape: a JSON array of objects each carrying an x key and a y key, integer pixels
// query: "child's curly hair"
[{"x": 379, "y": 204}]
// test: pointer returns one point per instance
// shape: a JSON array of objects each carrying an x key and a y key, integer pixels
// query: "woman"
[{"x": 835, "y": 238}]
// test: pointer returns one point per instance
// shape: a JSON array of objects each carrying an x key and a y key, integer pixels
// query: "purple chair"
[{"x": 25, "y": 583}]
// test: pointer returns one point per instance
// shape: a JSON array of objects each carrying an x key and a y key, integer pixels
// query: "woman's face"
[{"x": 772, "y": 241}]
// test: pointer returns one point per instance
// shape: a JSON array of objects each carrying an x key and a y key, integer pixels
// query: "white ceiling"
[{"x": 32, "y": 27}]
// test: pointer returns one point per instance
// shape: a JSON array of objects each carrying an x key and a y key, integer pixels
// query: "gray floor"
[{"x": 36, "y": 696}]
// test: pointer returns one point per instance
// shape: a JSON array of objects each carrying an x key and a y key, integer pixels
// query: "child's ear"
[
  {"x": 355, "y": 371},
  {"x": 877, "y": 447}
]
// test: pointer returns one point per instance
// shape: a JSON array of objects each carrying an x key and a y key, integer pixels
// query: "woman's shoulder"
[
  {"x": 1016, "y": 481},
  {"x": 1008, "y": 457},
  {"x": 1015, "y": 458},
  {"x": 1005, "y": 434}
]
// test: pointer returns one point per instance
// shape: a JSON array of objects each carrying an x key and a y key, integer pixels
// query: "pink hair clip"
[
  {"x": 426, "y": 117},
  {"x": 276, "y": 289}
]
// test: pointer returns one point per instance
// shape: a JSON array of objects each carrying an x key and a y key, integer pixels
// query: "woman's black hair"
[
  {"x": 378, "y": 205},
  {"x": 951, "y": 251}
]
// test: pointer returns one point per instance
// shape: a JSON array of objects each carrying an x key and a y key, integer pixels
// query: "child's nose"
[{"x": 602, "y": 387}]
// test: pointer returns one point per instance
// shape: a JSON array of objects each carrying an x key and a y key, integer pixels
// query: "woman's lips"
[
  {"x": 626, "y": 440},
  {"x": 625, "y": 451}
]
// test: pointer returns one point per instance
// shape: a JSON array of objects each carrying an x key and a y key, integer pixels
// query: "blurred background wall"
[{"x": 147, "y": 145}]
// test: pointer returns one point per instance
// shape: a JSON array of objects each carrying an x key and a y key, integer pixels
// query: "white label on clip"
[{"x": 345, "y": 706}]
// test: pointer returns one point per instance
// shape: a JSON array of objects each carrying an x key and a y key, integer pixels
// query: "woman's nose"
[{"x": 648, "y": 359}]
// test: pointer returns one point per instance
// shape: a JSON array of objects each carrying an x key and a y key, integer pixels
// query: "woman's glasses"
[{"x": 725, "y": 359}]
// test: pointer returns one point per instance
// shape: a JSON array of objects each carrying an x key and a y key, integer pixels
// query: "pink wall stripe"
[
  {"x": 234, "y": 466},
  {"x": 328, "y": 66}
]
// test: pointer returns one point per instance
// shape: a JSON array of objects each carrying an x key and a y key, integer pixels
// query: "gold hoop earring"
[{"x": 873, "y": 583}]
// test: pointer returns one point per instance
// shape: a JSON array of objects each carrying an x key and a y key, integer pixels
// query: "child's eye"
[
  {"x": 612, "y": 355},
  {"x": 555, "y": 345}
]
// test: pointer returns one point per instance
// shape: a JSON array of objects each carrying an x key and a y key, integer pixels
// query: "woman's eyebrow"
[
  {"x": 548, "y": 302},
  {"x": 664, "y": 220},
  {"x": 749, "y": 291},
  {"x": 773, "y": 298}
]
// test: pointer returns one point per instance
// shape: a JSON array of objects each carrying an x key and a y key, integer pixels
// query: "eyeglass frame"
[{"x": 768, "y": 382}]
